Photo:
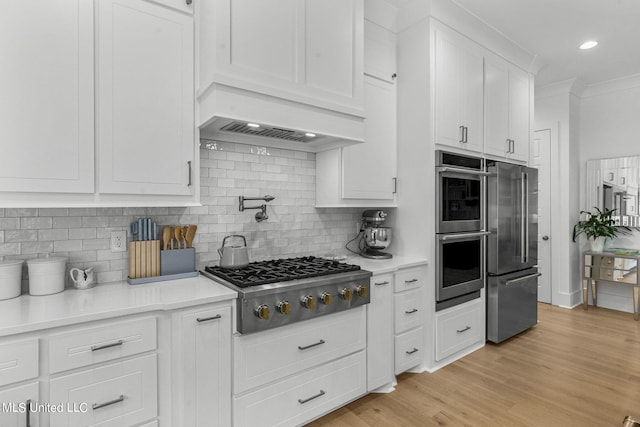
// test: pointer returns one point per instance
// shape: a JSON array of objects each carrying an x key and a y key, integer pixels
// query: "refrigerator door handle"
[
  {"x": 522, "y": 279},
  {"x": 523, "y": 218}
]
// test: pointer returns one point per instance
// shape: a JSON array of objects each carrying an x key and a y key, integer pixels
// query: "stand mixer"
[{"x": 375, "y": 236}]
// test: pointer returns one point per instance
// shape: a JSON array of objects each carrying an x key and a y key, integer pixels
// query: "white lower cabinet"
[
  {"x": 120, "y": 394},
  {"x": 274, "y": 354},
  {"x": 409, "y": 350},
  {"x": 459, "y": 327},
  {"x": 303, "y": 397},
  {"x": 17, "y": 403},
  {"x": 202, "y": 361},
  {"x": 409, "y": 315},
  {"x": 293, "y": 374},
  {"x": 380, "y": 332}
]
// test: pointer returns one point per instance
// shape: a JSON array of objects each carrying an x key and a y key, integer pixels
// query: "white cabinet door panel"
[
  {"x": 496, "y": 107},
  {"x": 206, "y": 363},
  {"x": 368, "y": 169},
  {"x": 17, "y": 404},
  {"x": 520, "y": 106},
  {"x": 145, "y": 99},
  {"x": 124, "y": 393},
  {"x": 380, "y": 332},
  {"x": 273, "y": 53},
  {"x": 46, "y": 107}
]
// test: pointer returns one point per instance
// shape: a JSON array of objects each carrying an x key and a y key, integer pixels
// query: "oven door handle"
[
  {"x": 463, "y": 171},
  {"x": 463, "y": 235}
]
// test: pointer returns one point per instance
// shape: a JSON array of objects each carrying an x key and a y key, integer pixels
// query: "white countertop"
[
  {"x": 28, "y": 313},
  {"x": 380, "y": 266}
]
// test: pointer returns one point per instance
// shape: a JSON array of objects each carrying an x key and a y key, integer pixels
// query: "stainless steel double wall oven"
[{"x": 460, "y": 228}]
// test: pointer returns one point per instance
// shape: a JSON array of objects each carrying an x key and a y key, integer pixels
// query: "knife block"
[
  {"x": 177, "y": 261},
  {"x": 144, "y": 259}
]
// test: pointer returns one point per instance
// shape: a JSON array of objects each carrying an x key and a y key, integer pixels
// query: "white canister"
[
  {"x": 10, "y": 279},
  {"x": 46, "y": 275}
]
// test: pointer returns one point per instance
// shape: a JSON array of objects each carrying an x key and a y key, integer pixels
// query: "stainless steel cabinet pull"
[
  {"x": 411, "y": 281},
  {"x": 303, "y": 401},
  {"x": 415, "y": 310},
  {"x": 466, "y": 135},
  {"x": 462, "y": 134},
  {"x": 412, "y": 351},
  {"x": 109, "y": 403},
  {"x": 189, "y": 163},
  {"x": 513, "y": 146},
  {"x": 102, "y": 347},
  {"x": 465, "y": 329},
  {"x": 381, "y": 283},
  {"x": 395, "y": 185},
  {"x": 311, "y": 345},
  {"x": 508, "y": 145},
  {"x": 206, "y": 319},
  {"x": 28, "y": 412}
]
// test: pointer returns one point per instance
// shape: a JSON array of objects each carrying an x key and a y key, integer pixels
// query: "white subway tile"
[
  {"x": 67, "y": 245},
  {"x": 53, "y": 234}
]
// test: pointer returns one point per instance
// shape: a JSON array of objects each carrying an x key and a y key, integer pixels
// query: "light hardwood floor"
[{"x": 574, "y": 368}]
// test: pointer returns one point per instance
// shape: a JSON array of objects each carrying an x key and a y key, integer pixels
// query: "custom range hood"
[{"x": 231, "y": 114}]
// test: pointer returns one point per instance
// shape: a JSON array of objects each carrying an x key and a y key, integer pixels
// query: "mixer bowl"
[{"x": 377, "y": 237}]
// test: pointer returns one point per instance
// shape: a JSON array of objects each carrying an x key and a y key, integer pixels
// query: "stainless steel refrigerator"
[{"x": 512, "y": 250}]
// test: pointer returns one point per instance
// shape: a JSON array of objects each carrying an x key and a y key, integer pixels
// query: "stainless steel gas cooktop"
[{"x": 280, "y": 292}]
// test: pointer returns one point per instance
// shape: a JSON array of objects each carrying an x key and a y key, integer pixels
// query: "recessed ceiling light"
[
  {"x": 588, "y": 44},
  {"x": 310, "y": 135},
  {"x": 253, "y": 125}
]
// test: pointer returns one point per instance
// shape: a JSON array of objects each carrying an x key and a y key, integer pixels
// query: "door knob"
[{"x": 545, "y": 237}]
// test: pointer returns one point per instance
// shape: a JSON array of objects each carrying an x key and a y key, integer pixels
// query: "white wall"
[
  {"x": 610, "y": 127},
  {"x": 556, "y": 108}
]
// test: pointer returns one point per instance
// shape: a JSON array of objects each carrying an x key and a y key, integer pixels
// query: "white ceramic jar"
[
  {"x": 46, "y": 275},
  {"x": 10, "y": 279}
]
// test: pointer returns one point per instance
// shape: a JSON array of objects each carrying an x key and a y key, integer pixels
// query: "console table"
[{"x": 610, "y": 267}]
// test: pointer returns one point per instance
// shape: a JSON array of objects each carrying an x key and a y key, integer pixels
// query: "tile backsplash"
[{"x": 294, "y": 227}]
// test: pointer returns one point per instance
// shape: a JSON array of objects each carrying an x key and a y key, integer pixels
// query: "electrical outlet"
[{"x": 118, "y": 241}]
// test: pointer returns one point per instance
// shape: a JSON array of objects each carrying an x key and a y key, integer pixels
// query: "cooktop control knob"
[
  {"x": 284, "y": 307},
  {"x": 362, "y": 291},
  {"x": 326, "y": 298},
  {"x": 346, "y": 294},
  {"x": 308, "y": 302},
  {"x": 262, "y": 311}
]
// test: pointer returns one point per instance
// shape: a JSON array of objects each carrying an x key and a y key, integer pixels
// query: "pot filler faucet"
[{"x": 262, "y": 214}]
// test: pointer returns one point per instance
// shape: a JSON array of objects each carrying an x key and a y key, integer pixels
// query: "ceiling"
[{"x": 553, "y": 30}]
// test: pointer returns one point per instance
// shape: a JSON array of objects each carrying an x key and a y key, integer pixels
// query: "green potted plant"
[{"x": 598, "y": 226}]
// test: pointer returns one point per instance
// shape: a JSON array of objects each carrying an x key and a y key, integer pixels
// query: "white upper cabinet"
[
  {"x": 365, "y": 174},
  {"x": 145, "y": 99},
  {"x": 46, "y": 106},
  {"x": 369, "y": 169},
  {"x": 306, "y": 51},
  {"x": 507, "y": 107},
  {"x": 458, "y": 91}
]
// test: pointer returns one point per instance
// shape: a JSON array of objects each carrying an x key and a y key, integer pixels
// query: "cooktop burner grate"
[{"x": 280, "y": 270}]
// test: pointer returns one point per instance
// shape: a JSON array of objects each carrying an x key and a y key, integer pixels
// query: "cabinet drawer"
[
  {"x": 409, "y": 350},
  {"x": 85, "y": 347},
  {"x": 409, "y": 278},
  {"x": 18, "y": 361},
  {"x": 458, "y": 328},
  {"x": 124, "y": 393},
  {"x": 303, "y": 397},
  {"x": 271, "y": 355},
  {"x": 409, "y": 310},
  {"x": 15, "y": 404}
]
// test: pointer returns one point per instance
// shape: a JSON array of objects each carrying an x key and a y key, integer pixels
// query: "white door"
[
  {"x": 541, "y": 158},
  {"x": 145, "y": 99}
]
